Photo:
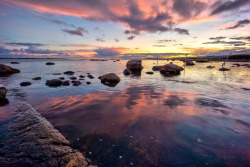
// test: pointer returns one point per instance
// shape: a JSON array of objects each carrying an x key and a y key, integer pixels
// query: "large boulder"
[
  {"x": 110, "y": 79},
  {"x": 134, "y": 64},
  {"x": 3, "y": 92},
  {"x": 7, "y": 70},
  {"x": 171, "y": 69},
  {"x": 54, "y": 82}
]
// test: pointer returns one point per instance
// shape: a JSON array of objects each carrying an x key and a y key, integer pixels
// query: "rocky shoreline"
[{"x": 33, "y": 141}]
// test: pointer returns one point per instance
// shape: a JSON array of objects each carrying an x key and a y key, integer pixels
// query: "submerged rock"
[
  {"x": 37, "y": 78},
  {"x": 61, "y": 78},
  {"x": 57, "y": 74},
  {"x": 14, "y": 62},
  {"x": 134, "y": 64},
  {"x": 110, "y": 79},
  {"x": 210, "y": 67},
  {"x": 150, "y": 72},
  {"x": 73, "y": 78},
  {"x": 69, "y": 72},
  {"x": 3, "y": 92},
  {"x": 25, "y": 83},
  {"x": 224, "y": 69},
  {"x": 7, "y": 70},
  {"x": 90, "y": 76},
  {"x": 189, "y": 63},
  {"x": 50, "y": 63},
  {"x": 77, "y": 83},
  {"x": 66, "y": 83},
  {"x": 126, "y": 72},
  {"x": 202, "y": 60},
  {"x": 54, "y": 82},
  {"x": 81, "y": 76},
  {"x": 171, "y": 69},
  {"x": 156, "y": 68}
]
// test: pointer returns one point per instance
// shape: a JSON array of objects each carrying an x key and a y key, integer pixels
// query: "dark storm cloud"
[
  {"x": 181, "y": 31},
  {"x": 220, "y": 6},
  {"x": 240, "y": 23},
  {"x": 188, "y": 8},
  {"x": 131, "y": 37},
  {"x": 23, "y": 44},
  {"x": 78, "y": 31}
]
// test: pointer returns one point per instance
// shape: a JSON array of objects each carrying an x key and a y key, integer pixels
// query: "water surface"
[{"x": 199, "y": 118}]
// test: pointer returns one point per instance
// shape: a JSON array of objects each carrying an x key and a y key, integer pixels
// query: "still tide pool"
[{"x": 198, "y": 118}]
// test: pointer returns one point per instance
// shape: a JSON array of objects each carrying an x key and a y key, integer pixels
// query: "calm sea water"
[{"x": 199, "y": 118}]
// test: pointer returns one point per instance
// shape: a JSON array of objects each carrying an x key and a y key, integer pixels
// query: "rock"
[
  {"x": 202, "y": 60},
  {"x": 61, "y": 78},
  {"x": 33, "y": 141},
  {"x": 156, "y": 68},
  {"x": 210, "y": 67},
  {"x": 81, "y": 79},
  {"x": 110, "y": 79},
  {"x": 73, "y": 78},
  {"x": 171, "y": 69},
  {"x": 3, "y": 92},
  {"x": 14, "y": 62},
  {"x": 150, "y": 72},
  {"x": 224, "y": 69},
  {"x": 73, "y": 81},
  {"x": 4, "y": 70},
  {"x": 25, "y": 83},
  {"x": 37, "y": 78},
  {"x": 126, "y": 72},
  {"x": 81, "y": 76},
  {"x": 50, "y": 63},
  {"x": 69, "y": 73},
  {"x": 134, "y": 64},
  {"x": 90, "y": 76},
  {"x": 237, "y": 64},
  {"x": 99, "y": 77},
  {"x": 189, "y": 63},
  {"x": 57, "y": 74},
  {"x": 77, "y": 83},
  {"x": 88, "y": 83},
  {"x": 54, "y": 82},
  {"x": 66, "y": 83}
]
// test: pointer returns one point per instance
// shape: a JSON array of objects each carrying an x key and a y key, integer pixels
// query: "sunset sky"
[{"x": 123, "y": 28}]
